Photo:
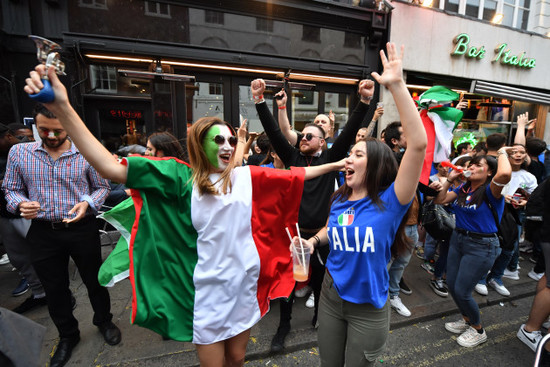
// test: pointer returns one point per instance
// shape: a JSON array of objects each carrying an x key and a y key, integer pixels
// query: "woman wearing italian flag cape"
[{"x": 207, "y": 250}]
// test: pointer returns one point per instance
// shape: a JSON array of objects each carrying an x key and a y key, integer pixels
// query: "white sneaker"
[
  {"x": 301, "y": 293},
  {"x": 531, "y": 339},
  {"x": 401, "y": 309},
  {"x": 535, "y": 276},
  {"x": 4, "y": 259},
  {"x": 481, "y": 289},
  {"x": 457, "y": 327},
  {"x": 471, "y": 338},
  {"x": 514, "y": 275},
  {"x": 546, "y": 324},
  {"x": 501, "y": 289},
  {"x": 310, "y": 303}
]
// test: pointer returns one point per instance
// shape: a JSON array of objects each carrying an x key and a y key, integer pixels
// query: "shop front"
[{"x": 500, "y": 72}]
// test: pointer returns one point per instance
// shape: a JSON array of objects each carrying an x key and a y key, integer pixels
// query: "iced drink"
[{"x": 300, "y": 263}]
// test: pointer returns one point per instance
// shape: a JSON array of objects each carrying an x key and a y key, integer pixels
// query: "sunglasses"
[
  {"x": 220, "y": 140},
  {"x": 310, "y": 136}
]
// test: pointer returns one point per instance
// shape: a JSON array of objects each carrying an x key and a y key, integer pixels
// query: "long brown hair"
[
  {"x": 168, "y": 143},
  {"x": 477, "y": 196},
  {"x": 199, "y": 161},
  {"x": 380, "y": 174}
]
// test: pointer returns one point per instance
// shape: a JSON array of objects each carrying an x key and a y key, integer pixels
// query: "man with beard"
[
  {"x": 314, "y": 206},
  {"x": 52, "y": 184}
]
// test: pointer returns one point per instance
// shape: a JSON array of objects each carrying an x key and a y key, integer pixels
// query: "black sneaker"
[
  {"x": 439, "y": 287},
  {"x": 404, "y": 287},
  {"x": 278, "y": 342},
  {"x": 29, "y": 304}
]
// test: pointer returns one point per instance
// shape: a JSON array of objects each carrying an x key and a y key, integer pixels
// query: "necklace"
[{"x": 309, "y": 159}]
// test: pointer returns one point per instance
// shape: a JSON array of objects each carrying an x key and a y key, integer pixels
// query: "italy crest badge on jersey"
[{"x": 346, "y": 218}]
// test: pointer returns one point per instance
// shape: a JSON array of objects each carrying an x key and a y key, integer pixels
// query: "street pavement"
[{"x": 142, "y": 347}]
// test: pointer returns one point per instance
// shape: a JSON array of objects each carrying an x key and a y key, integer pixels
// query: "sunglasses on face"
[
  {"x": 220, "y": 140},
  {"x": 310, "y": 136}
]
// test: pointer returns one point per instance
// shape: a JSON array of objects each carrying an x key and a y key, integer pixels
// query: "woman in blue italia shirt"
[
  {"x": 364, "y": 222},
  {"x": 474, "y": 244}
]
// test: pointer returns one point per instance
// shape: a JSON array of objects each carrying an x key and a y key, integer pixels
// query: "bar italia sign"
[{"x": 503, "y": 54}]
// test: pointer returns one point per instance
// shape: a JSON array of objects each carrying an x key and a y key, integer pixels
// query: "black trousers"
[{"x": 50, "y": 252}]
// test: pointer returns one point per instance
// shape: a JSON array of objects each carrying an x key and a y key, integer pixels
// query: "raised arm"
[
  {"x": 95, "y": 153},
  {"x": 280, "y": 144},
  {"x": 523, "y": 120},
  {"x": 504, "y": 172},
  {"x": 284, "y": 123},
  {"x": 411, "y": 164},
  {"x": 347, "y": 137}
]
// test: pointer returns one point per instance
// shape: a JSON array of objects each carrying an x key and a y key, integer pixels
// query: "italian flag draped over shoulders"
[{"x": 203, "y": 268}]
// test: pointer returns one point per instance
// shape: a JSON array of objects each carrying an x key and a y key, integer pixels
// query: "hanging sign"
[{"x": 503, "y": 54}]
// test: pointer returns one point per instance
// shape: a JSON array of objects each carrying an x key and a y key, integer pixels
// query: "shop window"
[
  {"x": 306, "y": 97},
  {"x": 156, "y": 9},
  {"x": 201, "y": 102},
  {"x": 96, "y": 4},
  {"x": 338, "y": 103},
  {"x": 247, "y": 108},
  {"x": 352, "y": 40},
  {"x": 311, "y": 34},
  {"x": 213, "y": 17},
  {"x": 264, "y": 25},
  {"x": 103, "y": 79},
  {"x": 305, "y": 107}
]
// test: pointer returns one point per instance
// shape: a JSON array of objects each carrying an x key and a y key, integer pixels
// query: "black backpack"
[
  {"x": 507, "y": 228},
  {"x": 534, "y": 211}
]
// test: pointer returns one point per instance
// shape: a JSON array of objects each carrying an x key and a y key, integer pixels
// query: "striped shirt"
[{"x": 33, "y": 175}]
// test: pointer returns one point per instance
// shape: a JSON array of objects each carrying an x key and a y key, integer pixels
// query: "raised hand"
[
  {"x": 393, "y": 66},
  {"x": 282, "y": 101},
  {"x": 257, "y": 87},
  {"x": 366, "y": 90},
  {"x": 523, "y": 119}
]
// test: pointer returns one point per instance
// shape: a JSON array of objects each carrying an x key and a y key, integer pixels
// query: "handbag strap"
[{"x": 493, "y": 210}]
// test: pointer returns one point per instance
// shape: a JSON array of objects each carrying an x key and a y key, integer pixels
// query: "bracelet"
[
  {"x": 498, "y": 184},
  {"x": 258, "y": 99},
  {"x": 318, "y": 240},
  {"x": 282, "y": 107},
  {"x": 502, "y": 153}
]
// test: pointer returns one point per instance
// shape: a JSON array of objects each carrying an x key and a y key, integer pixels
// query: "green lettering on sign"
[{"x": 502, "y": 53}]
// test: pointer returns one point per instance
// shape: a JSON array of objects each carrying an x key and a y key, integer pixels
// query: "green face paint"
[{"x": 210, "y": 147}]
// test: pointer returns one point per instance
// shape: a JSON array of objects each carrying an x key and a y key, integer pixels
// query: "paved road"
[{"x": 428, "y": 344}]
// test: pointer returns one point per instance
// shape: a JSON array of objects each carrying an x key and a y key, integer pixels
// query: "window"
[
  {"x": 103, "y": 79},
  {"x": 155, "y": 9},
  {"x": 213, "y": 17},
  {"x": 97, "y": 4},
  {"x": 265, "y": 25},
  {"x": 311, "y": 34},
  {"x": 352, "y": 40},
  {"x": 215, "y": 89},
  {"x": 516, "y": 12}
]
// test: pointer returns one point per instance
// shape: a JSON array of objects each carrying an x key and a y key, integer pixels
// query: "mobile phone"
[{"x": 380, "y": 104}]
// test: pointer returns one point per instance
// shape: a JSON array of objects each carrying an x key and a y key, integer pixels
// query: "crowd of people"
[{"x": 210, "y": 220}]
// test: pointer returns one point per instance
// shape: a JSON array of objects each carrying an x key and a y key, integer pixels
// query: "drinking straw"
[
  {"x": 293, "y": 247},
  {"x": 302, "y": 246}
]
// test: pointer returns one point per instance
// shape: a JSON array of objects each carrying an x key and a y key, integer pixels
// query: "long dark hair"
[
  {"x": 169, "y": 145},
  {"x": 477, "y": 195},
  {"x": 380, "y": 174}
]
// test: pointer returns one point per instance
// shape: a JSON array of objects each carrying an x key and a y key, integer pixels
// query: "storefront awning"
[{"x": 504, "y": 91}]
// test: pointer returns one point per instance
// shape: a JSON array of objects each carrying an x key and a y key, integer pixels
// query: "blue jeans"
[
  {"x": 468, "y": 260},
  {"x": 430, "y": 247},
  {"x": 398, "y": 264}
]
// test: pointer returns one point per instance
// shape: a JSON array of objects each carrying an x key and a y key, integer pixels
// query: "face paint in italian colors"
[{"x": 219, "y": 156}]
